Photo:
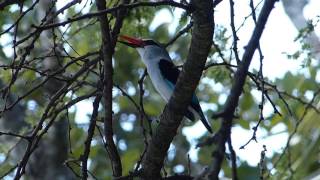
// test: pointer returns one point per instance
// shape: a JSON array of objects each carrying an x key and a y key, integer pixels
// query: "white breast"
[{"x": 151, "y": 55}]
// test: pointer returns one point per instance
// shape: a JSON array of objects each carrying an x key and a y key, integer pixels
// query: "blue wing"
[{"x": 171, "y": 73}]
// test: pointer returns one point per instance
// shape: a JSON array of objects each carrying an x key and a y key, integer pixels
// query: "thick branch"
[
  {"x": 170, "y": 119},
  {"x": 237, "y": 87},
  {"x": 107, "y": 51}
]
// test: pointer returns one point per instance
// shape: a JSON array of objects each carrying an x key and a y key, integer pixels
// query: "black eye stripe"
[{"x": 150, "y": 42}]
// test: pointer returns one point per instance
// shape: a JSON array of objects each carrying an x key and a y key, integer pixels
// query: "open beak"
[{"x": 130, "y": 41}]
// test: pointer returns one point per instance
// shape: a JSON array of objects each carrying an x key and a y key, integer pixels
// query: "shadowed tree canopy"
[{"x": 76, "y": 104}]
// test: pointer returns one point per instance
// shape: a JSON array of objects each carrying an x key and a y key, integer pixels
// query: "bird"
[{"x": 163, "y": 73}]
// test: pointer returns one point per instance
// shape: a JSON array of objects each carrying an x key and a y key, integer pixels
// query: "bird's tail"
[
  {"x": 195, "y": 110},
  {"x": 192, "y": 114},
  {"x": 205, "y": 122}
]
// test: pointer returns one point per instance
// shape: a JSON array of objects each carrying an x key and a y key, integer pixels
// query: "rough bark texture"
[{"x": 172, "y": 115}]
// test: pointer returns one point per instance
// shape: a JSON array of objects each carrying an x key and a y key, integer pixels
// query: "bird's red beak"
[{"x": 130, "y": 41}]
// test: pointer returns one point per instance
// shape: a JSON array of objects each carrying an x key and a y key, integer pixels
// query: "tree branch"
[
  {"x": 84, "y": 157},
  {"x": 233, "y": 158},
  {"x": 237, "y": 87},
  {"x": 107, "y": 51},
  {"x": 115, "y": 9},
  {"x": 174, "y": 111},
  {"x": 6, "y": 3}
]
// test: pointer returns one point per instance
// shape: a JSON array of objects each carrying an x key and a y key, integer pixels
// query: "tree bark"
[{"x": 188, "y": 80}]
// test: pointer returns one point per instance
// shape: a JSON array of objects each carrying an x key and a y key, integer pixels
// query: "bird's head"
[{"x": 147, "y": 48}]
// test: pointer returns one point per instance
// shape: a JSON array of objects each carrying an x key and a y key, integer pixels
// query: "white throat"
[{"x": 151, "y": 55}]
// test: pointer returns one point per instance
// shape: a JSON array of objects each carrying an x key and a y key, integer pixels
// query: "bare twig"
[
  {"x": 143, "y": 116},
  {"x": 8, "y": 171},
  {"x": 234, "y": 33},
  {"x": 15, "y": 135},
  {"x": 20, "y": 17},
  {"x": 84, "y": 157},
  {"x": 299, "y": 121},
  {"x": 114, "y": 9},
  {"x": 237, "y": 87},
  {"x": 180, "y": 33},
  {"x": 40, "y": 130},
  {"x": 6, "y": 3},
  {"x": 260, "y": 87}
]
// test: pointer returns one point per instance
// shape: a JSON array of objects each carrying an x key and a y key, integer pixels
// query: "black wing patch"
[{"x": 169, "y": 71}]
